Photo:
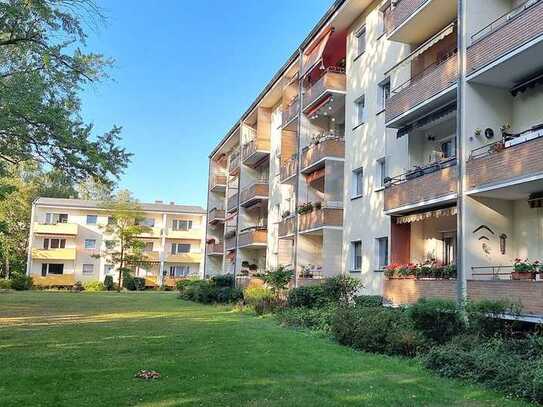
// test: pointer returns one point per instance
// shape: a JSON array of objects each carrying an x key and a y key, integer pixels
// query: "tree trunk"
[
  {"x": 7, "y": 266},
  {"x": 120, "y": 270}
]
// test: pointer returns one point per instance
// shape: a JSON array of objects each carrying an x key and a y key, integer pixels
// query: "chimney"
[
  {"x": 158, "y": 202},
  {"x": 172, "y": 203}
]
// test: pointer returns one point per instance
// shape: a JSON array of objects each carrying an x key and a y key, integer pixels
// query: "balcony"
[
  {"x": 192, "y": 234},
  {"x": 232, "y": 204},
  {"x": 184, "y": 258},
  {"x": 290, "y": 112},
  {"x": 234, "y": 164},
  {"x": 318, "y": 219},
  {"x": 413, "y": 21},
  {"x": 151, "y": 233},
  {"x": 215, "y": 249},
  {"x": 65, "y": 229},
  {"x": 54, "y": 280},
  {"x": 255, "y": 193},
  {"x": 254, "y": 238},
  {"x": 287, "y": 227},
  {"x": 288, "y": 169},
  {"x": 216, "y": 215},
  {"x": 54, "y": 254},
  {"x": 218, "y": 183},
  {"x": 230, "y": 242},
  {"x": 151, "y": 256},
  {"x": 422, "y": 187},
  {"x": 423, "y": 93},
  {"x": 332, "y": 82},
  {"x": 314, "y": 156},
  {"x": 254, "y": 151},
  {"x": 508, "y": 49},
  {"x": 514, "y": 159}
]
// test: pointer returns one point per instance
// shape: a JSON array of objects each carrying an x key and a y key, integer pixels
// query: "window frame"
[
  {"x": 361, "y": 33},
  {"x": 380, "y": 265},
  {"x": 354, "y": 258},
  {"x": 357, "y": 183},
  {"x": 361, "y": 114},
  {"x": 95, "y": 217},
  {"x": 175, "y": 248},
  {"x": 83, "y": 271},
  {"x": 87, "y": 247},
  {"x": 176, "y": 225},
  {"x": 381, "y": 95},
  {"x": 381, "y": 173}
]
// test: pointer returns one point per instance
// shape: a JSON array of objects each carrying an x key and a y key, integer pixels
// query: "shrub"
[
  {"x": 5, "y": 284},
  {"x": 261, "y": 299},
  {"x": 341, "y": 288},
  {"x": 313, "y": 296},
  {"x": 227, "y": 295},
  {"x": 21, "y": 282},
  {"x": 278, "y": 278},
  {"x": 180, "y": 285},
  {"x": 77, "y": 287},
  {"x": 368, "y": 301},
  {"x": 108, "y": 283},
  {"x": 128, "y": 279},
  {"x": 200, "y": 291},
  {"x": 319, "y": 319},
  {"x": 225, "y": 280},
  {"x": 139, "y": 283},
  {"x": 93, "y": 286},
  {"x": 484, "y": 317},
  {"x": 437, "y": 319}
]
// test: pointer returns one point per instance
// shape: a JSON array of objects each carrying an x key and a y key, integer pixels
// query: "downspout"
[
  {"x": 30, "y": 239},
  {"x": 298, "y": 168},
  {"x": 238, "y": 199},
  {"x": 461, "y": 283},
  {"x": 209, "y": 175},
  {"x": 163, "y": 251}
]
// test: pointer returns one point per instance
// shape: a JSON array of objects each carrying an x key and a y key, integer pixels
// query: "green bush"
[
  {"x": 341, "y": 289},
  {"x": 437, "y": 319},
  {"x": 368, "y": 301},
  {"x": 228, "y": 295},
  {"x": 278, "y": 278},
  {"x": 5, "y": 284},
  {"x": 139, "y": 283},
  {"x": 180, "y": 285},
  {"x": 77, "y": 287},
  {"x": 224, "y": 280},
  {"x": 128, "y": 279},
  {"x": 20, "y": 282},
  {"x": 313, "y": 296},
  {"x": 484, "y": 317},
  {"x": 318, "y": 319},
  {"x": 93, "y": 286},
  {"x": 108, "y": 283},
  {"x": 262, "y": 299}
]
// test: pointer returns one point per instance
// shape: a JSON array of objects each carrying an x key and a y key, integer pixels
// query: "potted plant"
[
  {"x": 387, "y": 181},
  {"x": 317, "y": 206},
  {"x": 305, "y": 208},
  {"x": 414, "y": 173},
  {"x": 497, "y": 147},
  {"x": 408, "y": 271},
  {"x": 245, "y": 264},
  {"x": 253, "y": 267},
  {"x": 307, "y": 271},
  {"x": 524, "y": 270},
  {"x": 391, "y": 270}
]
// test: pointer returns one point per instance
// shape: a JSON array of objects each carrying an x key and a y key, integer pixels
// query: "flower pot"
[{"x": 522, "y": 275}]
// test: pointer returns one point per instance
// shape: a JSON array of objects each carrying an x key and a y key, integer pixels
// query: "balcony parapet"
[
  {"x": 216, "y": 215},
  {"x": 254, "y": 237},
  {"x": 313, "y": 156},
  {"x": 288, "y": 169},
  {"x": 332, "y": 81},
  {"x": 218, "y": 183},
  {"x": 290, "y": 112},
  {"x": 234, "y": 163},
  {"x": 232, "y": 203},
  {"x": 287, "y": 227},
  {"x": 328, "y": 215},
  {"x": 215, "y": 249},
  {"x": 256, "y": 192}
]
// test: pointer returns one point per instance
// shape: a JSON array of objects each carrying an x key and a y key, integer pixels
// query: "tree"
[
  {"x": 42, "y": 70},
  {"x": 124, "y": 226},
  {"x": 278, "y": 278},
  {"x": 94, "y": 190}
]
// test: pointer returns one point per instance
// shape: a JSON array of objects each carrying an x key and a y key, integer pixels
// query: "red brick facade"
[
  {"x": 430, "y": 84},
  {"x": 403, "y": 11},
  {"x": 513, "y": 34},
  {"x": 400, "y": 291},
  {"x": 425, "y": 188},
  {"x": 517, "y": 161}
]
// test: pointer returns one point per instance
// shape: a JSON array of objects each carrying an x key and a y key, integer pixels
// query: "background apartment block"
[
  {"x": 68, "y": 241},
  {"x": 415, "y": 132}
]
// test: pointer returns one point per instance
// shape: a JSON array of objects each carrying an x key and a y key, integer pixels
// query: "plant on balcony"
[
  {"x": 245, "y": 264},
  {"x": 408, "y": 271},
  {"x": 244, "y": 272},
  {"x": 506, "y": 129},
  {"x": 387, "y": 181},
  {"x": 392, "y": 269},
  {"x": 497, "y": 147},
  {"x": 253, "y": 267},
  {"x": 305, "y": 208},
  {"x": 525, "y": 270},
  {"x": 307, "y": 271},
  {"x": 230, "y": 234},
  {"x": 416, "y": 172},
  {"x": 317, "y": 206}
]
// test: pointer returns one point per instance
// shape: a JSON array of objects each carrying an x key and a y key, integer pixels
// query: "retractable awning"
[
  {"x": 527, "y": 84},
  {"x": 313, "y": 54},
  {"x": 429, "y": 118},
  {"x": 418, "y": 217}
]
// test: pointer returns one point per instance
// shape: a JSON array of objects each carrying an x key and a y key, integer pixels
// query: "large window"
[
  {"x": 88, "y": 268},
  {"x": 448, "y": 148},
  {"x": 148, "y": 247},
  {"x": 54, "y": 243},
  {"x": 181, "y": 224},
  {"x": 149, "y": 222},
  {"x": 179, "y": 271},
  {"x": 360, "y": 41},
  {"x": 382, "y": 252},
  {"x": 52, "y": 269},
  {"x": 180, "y": 248},
  {"x": 360, "y": 108},
  {"x": 356, "y": 256},
  {"x": 92, "y": 219},
  {"x": 52, "y": 218},
  {"x": 90, "y": 243},
  {"x": 357, "y": 183}
]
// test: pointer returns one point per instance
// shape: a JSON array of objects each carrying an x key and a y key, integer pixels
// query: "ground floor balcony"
[
  {"x": 216, "y": 215},
  {"x": 254, "y": 151},
  {"x": 430, "y": 185},
  {"x": 315, "y": 155},
  {"x": 319, "y": 217},
  {"x": 287, "y": 227},
  {"x": 254, "y": 194},
  {"x": 509, "y": 49},
  {"x": 255, "y": 237},
  {"x": 215, "y": 249},
  {"x": 54, "y": 254},
  {"x": 217, "y": 183},
  {"x": 60, "y": 280},
  {"x": 63, "y": 229}
]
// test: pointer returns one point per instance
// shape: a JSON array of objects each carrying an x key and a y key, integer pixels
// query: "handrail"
[
  {"x": 423, "y": 170},
  {"x": 502, "y": 21},
  {"x": 494, "y": 271},
  {"x": 325, "y": 137}
]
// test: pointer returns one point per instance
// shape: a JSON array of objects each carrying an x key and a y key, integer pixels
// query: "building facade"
[
  {"x": 68, "y": 243},
  {"x": 404, "y": 132}
]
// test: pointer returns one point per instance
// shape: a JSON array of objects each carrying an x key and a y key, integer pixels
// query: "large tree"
[{"x": 42, "y": 70}]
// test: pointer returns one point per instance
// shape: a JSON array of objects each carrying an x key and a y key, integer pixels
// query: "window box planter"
[{"x": 522, "y": 275}]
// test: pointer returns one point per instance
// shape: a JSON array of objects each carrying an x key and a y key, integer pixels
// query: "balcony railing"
[
  {"x": 287, "y": 227},
  {"x": 184, "y": 258},
  {"x": 256, "y": 236},
  {"x": 215, "y": 248},
  {"x": 313, "y": 156},
  {"x": 288, "y": 168},
  {"x": 332, "y": 81},
  {"x": 433, "y": 80},
  {"x": 403, "y": 10},
  {"x": 326, "y": 216},
  {"x": 232, "y": 203},
  {"x": 254, "y": 151},
  {"x": 54, "y": 280},
  {"x": 218, "y": 182},
  {"x": 234, "y": 163},
  {"x": 505, "y": 34},
  {"x": 291, "y": 111},
  {"x": 515, "y": 156},
  {"x": 422, "y": 184},
  {"x": 54, "y": 254},
  {"x": 230, "y": 243},
  {"x": 255, "y": 192},
  {"x": 216, "y": 215},
  {"x": 67, "y": 229}
]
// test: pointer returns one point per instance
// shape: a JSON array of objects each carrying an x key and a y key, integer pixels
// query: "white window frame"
[
  {"x": 146, "y": 246},
  {"x": 353, "y": 265},
  {"x": 361, "y": 34},
  {"x": 361, "y": 111},
  {"x": 176, "y": 224},
  {"x": 175, "y": 248},
  {"x": 95, "y": 217},
  {"x": 382, "y": 94},
  {"x": 357, "y": 184},
  {"x": 89, "y": 244},
  {"x": 381, "y": 25},
  {"x": 379, "y": 264},
  {"x": 52, "y": 218},
  {"x": 185, "y": 271},
  {"x": 87, "y": 266},
  {"x": 381, "y": 170}
]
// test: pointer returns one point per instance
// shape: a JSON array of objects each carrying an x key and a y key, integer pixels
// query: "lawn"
[{"x": 63, "y": 349}]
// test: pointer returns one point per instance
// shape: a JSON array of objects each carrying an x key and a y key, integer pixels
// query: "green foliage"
[
  {"x": 342, "y": 288},
  {"x": 108, "y": 283},
  {"x": 180, "y": 285},
  {"x": 5, "y": 284},
  {"x": 21, "y": 282},
  {"x": 278, "y": 278},
  {"x": 224, "y": 280},
  {"x": 77, "y": 287},
  {"x": 261, "y": 299},
  {"x": 437, "y": 319},
  {"x": 127, "y": 279},
  {"x": 312, "y": 296},
  {"x": 208, "y": 292},
  {"x": 93, "y": 286},
  {"x": 139, "y": 283},
  {"x": 318, "y": 319},
  {"x": 368, "y": 300},
  {"x": 484, "y": 317},
  {"x": 228, "y": 295}
]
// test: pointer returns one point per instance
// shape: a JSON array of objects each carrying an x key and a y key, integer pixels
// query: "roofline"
[{"x": 320, "y": 24}]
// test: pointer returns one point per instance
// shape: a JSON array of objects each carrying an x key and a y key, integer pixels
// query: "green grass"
[{"x": 63, "y": 349}]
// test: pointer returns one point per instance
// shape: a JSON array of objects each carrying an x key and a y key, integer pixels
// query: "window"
[
  {"x": 54, "y": 243},
  {"x": 110, "y": 244},
  {"x": 149, "y": 222},
  {"x": 449, "y": 247},
  {"x": 110, "y": 220},
  {"x": 148, "y": 247},
  {"x": 360, "y": 41},
  {"x": 51, "y": 269},
  {"x": 180, "y": 248},
  {"x": 384, "y": 17},
  {"x": 179, "y": 224},
  {"x": 381, "y": 172},
  {"x": 179, "y": 271},
  {"x": 108, "y": 269},
  {"x": 360, "y": 108},
  {"x": 383, "y": 94},
  {"x": 356, "y": 259},
  {"x": 88, "y": 268},
  {"x": 448, "y": 148},
  {"x": 90, "y": 244},
  {"x": 52, "y": 218},
  {"x": 357, "y": 183},
  {"x": 92, "y": 219},
  {"x": 382, "y": 252}
]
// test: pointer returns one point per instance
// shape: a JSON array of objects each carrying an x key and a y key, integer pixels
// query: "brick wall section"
[
  {"x": 515, "y": 33},
  {"x": 403, "y": 11},
  {"x": 399, "y": 291},
  {"x": 423, "y": 88},
  {"x": 425, "y": 188},
  {"x": 528, "y": 293},
  {"x": 517, "y": 161}
]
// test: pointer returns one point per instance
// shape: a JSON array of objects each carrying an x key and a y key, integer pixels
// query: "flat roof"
[{"x": 149, "y": 207}]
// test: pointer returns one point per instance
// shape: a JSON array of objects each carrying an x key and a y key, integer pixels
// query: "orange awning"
[{"x": 313, "y": 53}]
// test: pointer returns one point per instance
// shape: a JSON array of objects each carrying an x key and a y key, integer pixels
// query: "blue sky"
[{"x": 185, "y": 72}]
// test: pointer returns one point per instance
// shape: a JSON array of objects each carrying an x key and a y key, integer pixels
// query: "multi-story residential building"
[
  {"x": 68, "y": 242},
  {"x": 414, "y": 129}
]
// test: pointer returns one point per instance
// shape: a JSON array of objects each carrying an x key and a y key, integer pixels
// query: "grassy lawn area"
[{"x": 63, "y": 349}]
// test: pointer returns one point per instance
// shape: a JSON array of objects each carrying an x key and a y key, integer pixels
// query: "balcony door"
[{"x": 449, "y": 247}]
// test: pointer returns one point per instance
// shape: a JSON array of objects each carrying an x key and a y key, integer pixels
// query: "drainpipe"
[
  {"x": 209, "y": 177},
  {"x": 238, "y": 199},
  {"x": 298, "y": 168},
  {"x": 30, "y": 240},
  {"x": 461, "y": 283},
  {"x": 162, "y": 255}
]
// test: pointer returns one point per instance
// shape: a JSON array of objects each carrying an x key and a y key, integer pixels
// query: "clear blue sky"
[{"x": 185, "y": 72}]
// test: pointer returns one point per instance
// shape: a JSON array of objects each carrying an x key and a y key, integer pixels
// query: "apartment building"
[
  {"x": 68, "y": 242},
  {"x": 399, "y": 131}
]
